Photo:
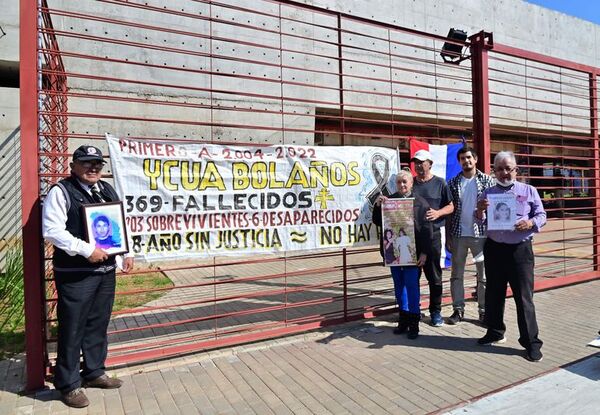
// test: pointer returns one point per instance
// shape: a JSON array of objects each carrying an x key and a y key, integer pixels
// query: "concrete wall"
[
  {"x": 10, "y": 168},
  {"x": 417, "y": 92},
  {"x": 513, "y": 22},
  {"x": 194, "y": 84},
  {"x": 9, "y": 20}
]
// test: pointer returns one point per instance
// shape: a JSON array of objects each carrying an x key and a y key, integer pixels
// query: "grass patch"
[
  {"x": 11, "y": 343},
  {"x": 140, "y": 282},
  {"x": 12, "y": 314},
  {"x": 12, "y": 336}
]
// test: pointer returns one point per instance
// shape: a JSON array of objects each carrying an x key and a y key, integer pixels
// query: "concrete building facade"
[{"x": 176, "y": 65}]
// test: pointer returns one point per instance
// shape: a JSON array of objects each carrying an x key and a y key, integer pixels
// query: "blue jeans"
[{"x": 406, "y": 287}]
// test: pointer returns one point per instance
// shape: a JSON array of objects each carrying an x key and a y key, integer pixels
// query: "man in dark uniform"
[
  {"x": 437, "y": 193},
  {"x": 85, "y": 279}
]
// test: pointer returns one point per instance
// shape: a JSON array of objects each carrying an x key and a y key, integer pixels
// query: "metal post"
[
  {"x": 30, "y": 189},
  {"x": 596, "y": 161},
  {"x": 480, "y": 44},
  {"x": 341, "y": 81},
  {"x": 345, "y": 282}
]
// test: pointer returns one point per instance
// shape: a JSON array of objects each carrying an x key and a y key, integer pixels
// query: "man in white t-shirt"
[{"x": 465, "y": 233}]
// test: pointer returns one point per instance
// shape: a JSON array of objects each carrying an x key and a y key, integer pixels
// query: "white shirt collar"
[{"x": 87, "y": 187}]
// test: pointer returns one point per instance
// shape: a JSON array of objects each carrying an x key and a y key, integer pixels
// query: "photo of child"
[
  {"x": 103, "y": 233},
  {"x": 389, "y": 250},
  {"x": 105, "y": 227},
  {"x": 502, "y": 212}
]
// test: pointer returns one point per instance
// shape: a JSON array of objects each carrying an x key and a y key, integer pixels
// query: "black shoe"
[
  {"x": 75, "y": 398},
  {"x": 413, "y": 334},
  {"x": 401, "y": 329},
  {"x": 534, "y": 355},
  {"x": 489, "y": 340},
  {"x": 402, "y": 323},
  {"x": 456, "y": 317},
  {"x": 413, "y": 325}
]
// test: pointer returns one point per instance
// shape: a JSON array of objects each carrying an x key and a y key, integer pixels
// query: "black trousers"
[
  {"x": 510, "y": 264},
  {"x": 84, "y": 305},
  {"x": 433, "y": 273}
]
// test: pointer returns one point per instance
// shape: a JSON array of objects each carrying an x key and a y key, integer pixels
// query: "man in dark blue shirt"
[{"x": 436, "y": 192}]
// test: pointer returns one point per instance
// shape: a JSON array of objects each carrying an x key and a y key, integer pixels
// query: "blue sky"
[{"x": 584, "y": 9}]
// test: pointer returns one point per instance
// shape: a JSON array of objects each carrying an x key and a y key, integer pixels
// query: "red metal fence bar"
[
  {"x": 66, "y": 53},
  {"x": 480, "y": 43},
  {"x": 538, "y": 57},
  {"x": 594, "y": 129},
  {"x": 30, "y": 186}
]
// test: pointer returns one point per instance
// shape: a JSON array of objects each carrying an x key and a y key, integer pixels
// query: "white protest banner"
[{"x": 193, "y": 200}]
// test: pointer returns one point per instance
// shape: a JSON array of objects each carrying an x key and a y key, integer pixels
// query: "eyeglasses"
[
  {"x": 88, "y": 165},
  {"x": 505, "y": 169}
]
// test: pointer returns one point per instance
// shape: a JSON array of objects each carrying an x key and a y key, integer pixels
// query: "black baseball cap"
[{"x": 88, "y": 153}]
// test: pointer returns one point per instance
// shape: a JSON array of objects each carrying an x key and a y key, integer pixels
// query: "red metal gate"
[{"x": 281, "y": 72}]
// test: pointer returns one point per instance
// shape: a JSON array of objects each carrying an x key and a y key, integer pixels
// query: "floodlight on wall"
[{"x": 452, "y": 52}]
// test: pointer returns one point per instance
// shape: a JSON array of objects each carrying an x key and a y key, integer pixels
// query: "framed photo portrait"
[
  {"x": 105, "y": 227},
  {"x": 398, "y": 229},
  {"x": 502, "y": 212}
]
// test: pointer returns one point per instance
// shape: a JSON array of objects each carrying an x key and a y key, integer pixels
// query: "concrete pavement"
[
  {"x": 359, "y": 368},
  {"x": 572, "y": 389}
]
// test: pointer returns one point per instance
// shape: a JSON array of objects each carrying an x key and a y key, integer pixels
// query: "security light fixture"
[{"x": 452, "y": 52}]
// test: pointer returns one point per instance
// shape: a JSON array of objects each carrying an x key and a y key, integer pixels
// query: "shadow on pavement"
[
  {"x": 588, "y": 368},
  {"x": 379, "y": 337}
]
